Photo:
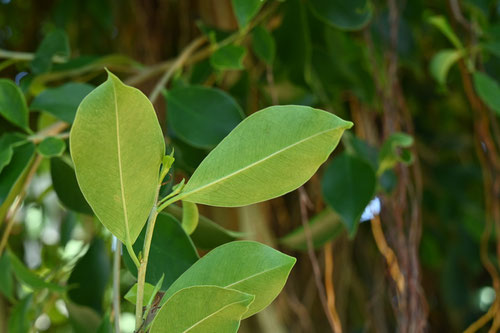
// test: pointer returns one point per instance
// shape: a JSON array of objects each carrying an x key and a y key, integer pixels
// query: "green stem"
[
  {"x": 132, "y": 255},
  {"x": 116, "y": 285}
]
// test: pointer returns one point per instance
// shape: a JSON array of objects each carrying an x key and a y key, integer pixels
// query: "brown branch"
[{"x": 330, "y": 289}]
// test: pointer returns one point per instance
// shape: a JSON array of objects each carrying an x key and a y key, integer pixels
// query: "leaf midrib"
[{"x": 251, "y": 165}]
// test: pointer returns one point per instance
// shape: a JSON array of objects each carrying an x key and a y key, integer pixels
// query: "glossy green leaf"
[
  {"x": 6, "y": 279},
  {"x": 324, "y": 227},
  {"x": 13, "y": 105},
  {"x": 7, "y": 143},
  {"x": 348, "y": 185},
  {"x": 51, "y": 147},
  {"x": 202, "y": 309},
  {"x": 66, "y": 186},
  {"x": 208, "y": 234},
  {"x": 29, "y": 278},
  {"x": 442, "y": 62},
  {"x": 62, "y": 102},
  {"x": 393, "y": 151},
  {"x": 228, "y": 57},
  {"x": 117, "y": 147},
  {"x": 489, "y": 90},
  {"x": 442, "y": 24},
  {"x": 246, "y": 266},
  {"x": 249, "y": 164},
  {"x": 190, "y": 217},
  {"x": 263, "y": 44},
  {"x": 55, "y": 43},
  {"x": 89, "y": 278},
  {"x": 352, "y": 15},
  {"x": 202, "y": 116},
  {"x": 171, "y": 253},
  {"x": 18, "y": 319},
  {"x": 131, "y": 295},
  {"x": 13, "y": 175},
  {"x": 245, "y": 10}
]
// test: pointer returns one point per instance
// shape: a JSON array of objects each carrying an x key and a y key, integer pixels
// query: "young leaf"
[
  {"x": 54, "y": 43},
  {"x": 442, "y": 24},
  {"x": 442, "y": 62},
  {"x": 249, "y": 164},
  {"x": 228, "y": 57},
  {"x": 208, "y": 234},
  {"x": 202, "y": 116},
  {"x": 339, "y": 14},
  {"x": 246, "y": 266},
  {"x": 190, "y": 217},
  {"x": 489, "y": 90},
  {"x": 117, "y": 147},
  {"x": 389, "y": 154},
  {"x": 348, "y": 185},
  {"x": 13, "y": 105},
  {"x": 66, "y": 186},
  {"x": 171, "y": 254},
  {"x": 51, "y": 147},
  {"x": 62, "y": 102},
  {"x": 131, "y": 295},
  {"x": 324, "y": 227},
  {"x": 245, "y": 10},
  {"x": 263, "y": 45}
]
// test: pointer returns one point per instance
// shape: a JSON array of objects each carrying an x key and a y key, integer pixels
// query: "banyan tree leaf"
[
  {"x": 190, "y": 217},
  {"x": 249, "y": 164},
  {"x": 55, "y": 43},
  {"x": 13, "y": 105},
  {"x": 245, "y": 10},
  {"x": 117, "y": 147},
  {"x": 228, "y": 57}
]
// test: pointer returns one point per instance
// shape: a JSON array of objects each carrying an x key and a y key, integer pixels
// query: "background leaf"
[
  {"x": 51, "y": 147},
  {"x": 13, "y": 105},
  {"x": 18, "y": 320},
  {"x": 228, "y": 57},
  {"x": 489, "y": 90},
  {"x": 441, "y": 63},
  {"x": 235, "y": 173},
  {"x": 117, "y": 147},
  {"x": 352, "y": 15},
  {"x": 54, "y": 43},
  {"x": 263, "y": 44},
  {"x": 245, "y": 10}
]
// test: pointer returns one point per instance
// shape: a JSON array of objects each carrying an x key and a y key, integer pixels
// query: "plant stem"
[
  {"x": 26, "y": 56},
  {"x": 116, "y": 284}
]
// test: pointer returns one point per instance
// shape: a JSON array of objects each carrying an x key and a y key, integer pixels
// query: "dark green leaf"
[
  {"x": 202, "y": 116},
  {"x": 54, "y": 43},
  {"x": 7, "y": 143},
  {"x": 263, "y": 45},
  {"x": 51, "y": 147},
  {"x": 13, "y": 105},
  {"x": 352, "y": 15},
  {"x": 6, "y": 279},
  {"x": 82, "y": 318},
  {"x": 228, "y": 57},
  {"x": 245, "y": 10},
  {"x": 489, "y": 90},
  {"x": 18, "y": 320},
  {"x": 348, "y": 185}
]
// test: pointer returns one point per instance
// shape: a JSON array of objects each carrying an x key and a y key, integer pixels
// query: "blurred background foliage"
[{"x": 420, "y": 80}]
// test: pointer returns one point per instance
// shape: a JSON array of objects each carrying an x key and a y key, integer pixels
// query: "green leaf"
[
  {"x": 62, "y": 102},
  {"x": 54, "y": 43},
  {"x": 13, "y": 105},
  {"x": 246, "y": 266},
  {"x": 31, "y": 279},
  {"x": 360, "y": 148},
  {"x": 245, "y": 10},
  {"x": 6, "y": 280},
  {"x": 51, "y": 147},
  {"x": 493, "y": 48},
  {"x": 324, "y": 227},
  {"x": 208, "y": 234},
  {"x": 263, "y": 44},
  {"x": 7, "y": 143},
  {"x": 202, "y": 309},
  {"x": 18, "y": 321},
  {"x": 202, "y": 116},
  {"x": 442, "y": 62},
  {"x": 249, "y": 164},
  {"x": 171, "y": 253},
  {"x": 66, "y": 186},
  {"x": 82, "y": 318},
  {"x": 14, "y": 174},
  {"x": 105, "y": 326},
  {"x": 131, "y": 295},
  {"x": 393, "y": 151},
  {"x": 352, "y": 15},
  {"x": 442, "y": 24},
  {"x": 89, "y": 278},
  {"x": 488, "y": 89},
  {"x": 228, "y": 57},
  {"x": 117, "y": 147},
  {"x": 348, "y": 185},
  {"x": 190, "y": 217}
]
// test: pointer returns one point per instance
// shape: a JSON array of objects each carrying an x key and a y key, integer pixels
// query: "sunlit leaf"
[{"x": 190, "y": 217}]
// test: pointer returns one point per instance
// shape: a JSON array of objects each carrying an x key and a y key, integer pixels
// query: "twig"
[
  {"x": 27, "y": 56},
  {"x": 330, "y": 289},
  {"x": 52, "y": 130},
  {"x": 303, "y": 199},
  {"x": 483, "y": 320},
  {"x": 116, "y": 284}
]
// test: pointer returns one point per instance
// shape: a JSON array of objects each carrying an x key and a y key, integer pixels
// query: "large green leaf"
[
  {"x": 13, "y": 105},
  {"x": 228, "y": 57},
  {"x": 89, "y": 278},
  {"x": 442, "y": 62},
  {"x": 66, "y": 186},
  {"x": 55, "y": 43},
  {"x": 208, "y": 234},
  {"x": 348, "y": 186},
  {"x": 13, "y": 175},
  {"x": 117, "y": 147},
  {"x": 263, "y": 44},
  {"x": 324, "y": 227},
  {"x": 270, "y": 153},
  {"x": 249, "y": 267},
  {"x": 62, "y": 102},
  {"x": 351, "y": 15},
  {"x": 488, "y": 89},
  {"x": 202, "y": 309},
  {"x": 202, "y": 116},
  {"x": 171, "y": 253}
]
